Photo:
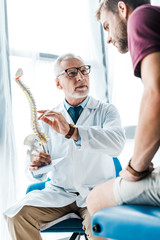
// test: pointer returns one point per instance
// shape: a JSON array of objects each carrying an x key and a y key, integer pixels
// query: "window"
[{"x": 39, "y": 31}]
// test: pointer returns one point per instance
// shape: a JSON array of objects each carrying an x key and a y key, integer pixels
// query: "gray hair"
[{"x": 63, "y": 58}]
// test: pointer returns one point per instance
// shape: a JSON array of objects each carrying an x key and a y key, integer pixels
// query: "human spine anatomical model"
[{"x": 38, "y": 139}]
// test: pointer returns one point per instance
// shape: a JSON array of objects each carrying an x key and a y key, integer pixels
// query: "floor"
[{"x": 56, "y": 236}]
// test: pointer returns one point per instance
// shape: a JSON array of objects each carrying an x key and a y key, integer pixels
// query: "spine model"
[{"x": 34, "y": 119}]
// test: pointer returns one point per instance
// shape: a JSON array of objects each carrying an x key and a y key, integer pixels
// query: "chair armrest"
[
  {"x": 37, "y": 186},
  {"x": 117, "y": 165}
]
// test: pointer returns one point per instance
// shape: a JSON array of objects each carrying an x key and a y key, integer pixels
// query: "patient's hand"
[
  {"x": 125, "y": 174},
  {"x": 39, "y": 160}
]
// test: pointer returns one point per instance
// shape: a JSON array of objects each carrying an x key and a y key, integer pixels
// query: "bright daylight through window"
[{"x": 41, "y": 30}]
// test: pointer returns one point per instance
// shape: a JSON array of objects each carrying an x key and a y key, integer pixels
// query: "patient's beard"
[{"x": 122, "y": 42}]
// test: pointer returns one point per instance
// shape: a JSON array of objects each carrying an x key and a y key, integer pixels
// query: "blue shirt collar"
[{"x": 82, "y": 104}]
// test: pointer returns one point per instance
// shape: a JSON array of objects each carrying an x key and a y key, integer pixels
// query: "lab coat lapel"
[
  {"x": 64, "y": 112},
  {"x": 92, "y": 104}
]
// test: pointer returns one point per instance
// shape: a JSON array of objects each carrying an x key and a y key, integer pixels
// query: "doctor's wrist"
[
  {"x": 72, "y": 133},
  {"x": 75, "y": 135}
]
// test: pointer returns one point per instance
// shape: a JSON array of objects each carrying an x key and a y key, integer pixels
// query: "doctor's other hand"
[{"x": 39, "y": 159}]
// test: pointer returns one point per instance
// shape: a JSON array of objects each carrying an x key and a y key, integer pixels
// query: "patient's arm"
[{"x": 147, "y": 139}]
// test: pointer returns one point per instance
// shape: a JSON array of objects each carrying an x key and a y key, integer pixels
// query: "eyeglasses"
[{"x": 72, "y": 72}]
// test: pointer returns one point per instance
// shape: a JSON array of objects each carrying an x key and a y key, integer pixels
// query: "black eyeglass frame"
[{"x": 78, "y": 68}]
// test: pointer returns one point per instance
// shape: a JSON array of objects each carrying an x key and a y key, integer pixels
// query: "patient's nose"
[{"x": 109, "y": 40}]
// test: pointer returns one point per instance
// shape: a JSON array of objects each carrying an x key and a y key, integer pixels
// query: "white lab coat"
[{"x": 83, "y": 167}]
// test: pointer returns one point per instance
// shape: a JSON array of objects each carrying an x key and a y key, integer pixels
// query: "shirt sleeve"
[
  {"x": 143, "y": 34},
  {"x": 78, "y": 143}
]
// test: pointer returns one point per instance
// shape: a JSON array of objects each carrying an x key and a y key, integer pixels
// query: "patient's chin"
[{"x": 123, "y": 51}]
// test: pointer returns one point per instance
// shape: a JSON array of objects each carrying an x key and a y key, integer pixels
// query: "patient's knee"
[
  {"x": 92, "y": 201},
  {"x": 101, "y": 196}
]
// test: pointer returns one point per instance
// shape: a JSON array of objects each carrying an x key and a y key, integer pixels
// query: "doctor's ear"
[
  {"x": 58, "y": 84},
  {"x": 123, "y": 11}
]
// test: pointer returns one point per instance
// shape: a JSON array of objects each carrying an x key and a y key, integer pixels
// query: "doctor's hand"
[
  {"x": 57, "y": 121},
  {"x": 40, "y": 159}
]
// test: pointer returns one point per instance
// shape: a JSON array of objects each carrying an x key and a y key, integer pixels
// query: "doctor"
[{"x": 87, "y": 143}]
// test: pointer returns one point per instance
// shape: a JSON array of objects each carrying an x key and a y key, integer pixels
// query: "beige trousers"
[{"x": 25, "y": 224}]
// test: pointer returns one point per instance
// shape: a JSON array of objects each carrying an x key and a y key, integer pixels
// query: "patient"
[
  {"x": 139, "y": 183},
  {"x": 87, "y": 141}
]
